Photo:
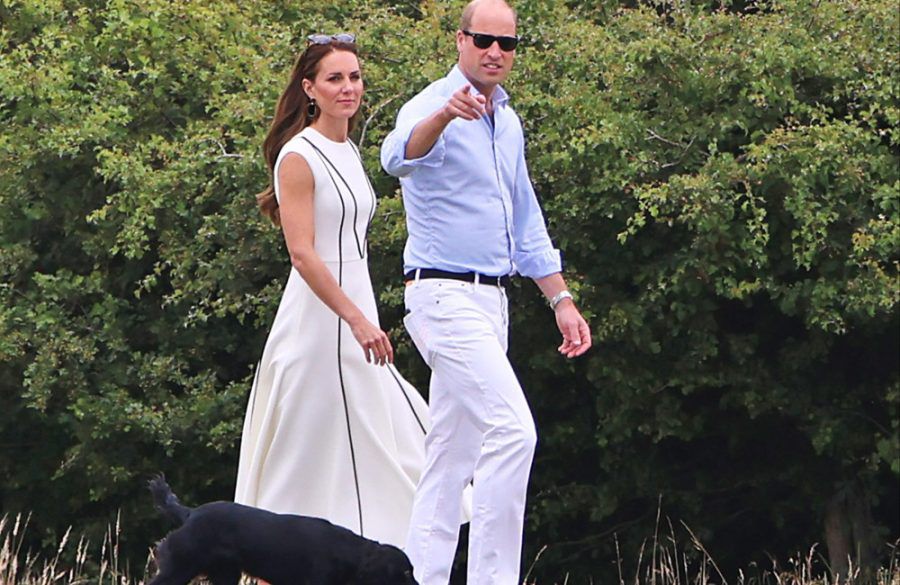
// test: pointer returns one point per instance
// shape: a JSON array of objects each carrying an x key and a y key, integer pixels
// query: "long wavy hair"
[{"x": 291, "y": 116}]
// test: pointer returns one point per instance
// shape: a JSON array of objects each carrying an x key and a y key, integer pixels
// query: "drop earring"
[{"x": 311, "y": 108}]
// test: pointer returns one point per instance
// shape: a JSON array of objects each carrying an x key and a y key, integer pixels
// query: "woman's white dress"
[{"x": 326, "y": 433}]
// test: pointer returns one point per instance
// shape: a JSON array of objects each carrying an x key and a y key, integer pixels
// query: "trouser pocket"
[
  {"x": 417, "y": 325},
  {"x": 418, "y": 331}
]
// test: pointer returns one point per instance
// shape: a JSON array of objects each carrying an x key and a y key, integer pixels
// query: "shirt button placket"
[{"x": 505, "y": 197}]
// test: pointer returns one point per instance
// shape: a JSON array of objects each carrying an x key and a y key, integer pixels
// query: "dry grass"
[
  {"x": 18, "y": 567},
  {"x": 663, "y": 562},
  {"x": 667, "y": 561}
]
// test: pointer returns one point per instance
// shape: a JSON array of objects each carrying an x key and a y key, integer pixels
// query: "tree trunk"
[
  {"x": 864, "y": 535},
  {"x": 850, "y": 532},
  {"x": 838, "y": 537}
]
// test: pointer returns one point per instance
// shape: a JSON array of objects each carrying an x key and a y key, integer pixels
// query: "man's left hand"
[{"x": 575, "y": 331}]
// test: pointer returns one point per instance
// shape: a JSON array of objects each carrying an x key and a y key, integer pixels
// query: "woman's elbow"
[{"x": 301, "y": 260}]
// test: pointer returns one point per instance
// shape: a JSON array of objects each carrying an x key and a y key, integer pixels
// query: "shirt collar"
[{"x": 458, "y": 79}]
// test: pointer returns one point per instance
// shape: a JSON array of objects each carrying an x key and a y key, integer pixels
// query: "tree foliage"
[{"x": 722, "y": 179}]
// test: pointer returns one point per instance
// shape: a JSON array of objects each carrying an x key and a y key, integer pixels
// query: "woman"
[{"x": 332, "y": 430}]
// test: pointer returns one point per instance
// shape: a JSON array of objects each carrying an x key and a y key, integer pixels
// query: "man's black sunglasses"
[{"x": 483, "y": 41}]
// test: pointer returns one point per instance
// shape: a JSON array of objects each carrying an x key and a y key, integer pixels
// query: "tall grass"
[
  {"x": 662, "y": 561},
  {"x": 68, "y": 566},
  {"x": 666, "y": 560}
]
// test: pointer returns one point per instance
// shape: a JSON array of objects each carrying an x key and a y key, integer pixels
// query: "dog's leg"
[{"x": 174, "y": 568}]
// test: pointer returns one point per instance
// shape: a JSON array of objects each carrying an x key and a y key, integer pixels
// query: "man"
[{"x": 473, "y": 219}]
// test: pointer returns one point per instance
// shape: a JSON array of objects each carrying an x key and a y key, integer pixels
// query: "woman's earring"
[{"x": 311, "y": 108}]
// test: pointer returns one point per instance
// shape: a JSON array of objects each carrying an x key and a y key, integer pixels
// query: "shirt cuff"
[{"x": 538, "y": 264}]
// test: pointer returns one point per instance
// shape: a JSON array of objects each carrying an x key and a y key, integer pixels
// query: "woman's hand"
[{"x": 375, "y": 343}]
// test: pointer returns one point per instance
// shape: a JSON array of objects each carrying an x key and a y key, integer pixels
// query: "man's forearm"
[{"x": 425, "y": 134}]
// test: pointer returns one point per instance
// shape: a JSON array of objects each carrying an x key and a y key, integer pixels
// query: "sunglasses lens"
[
  {"x": 507, "y": 43},
  {"x": 326, "y": 39},
  {"x": 483, "y": 41}
]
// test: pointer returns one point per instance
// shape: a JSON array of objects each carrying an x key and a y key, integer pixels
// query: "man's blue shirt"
[{"x": 470, "y": 205}]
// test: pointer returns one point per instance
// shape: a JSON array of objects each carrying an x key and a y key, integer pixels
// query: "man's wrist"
[
  {"x": 560, "y": 297},
  {"x": 444, "y": 116}
]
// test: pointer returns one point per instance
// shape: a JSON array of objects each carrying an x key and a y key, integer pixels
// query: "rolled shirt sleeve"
[
  {"x": 393, "y": 150},
  {"x": 533, "y": 255}
]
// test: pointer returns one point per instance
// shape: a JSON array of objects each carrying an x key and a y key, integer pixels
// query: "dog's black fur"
[{"x": 222, "y": 540}]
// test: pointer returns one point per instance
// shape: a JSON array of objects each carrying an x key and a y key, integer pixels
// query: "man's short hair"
[{"x": 465, "y": 21}]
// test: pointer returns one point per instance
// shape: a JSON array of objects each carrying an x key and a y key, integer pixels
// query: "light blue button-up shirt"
[{"x": 470, "y": 205}]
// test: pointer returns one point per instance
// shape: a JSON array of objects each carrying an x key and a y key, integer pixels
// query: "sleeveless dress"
[{"x": 326, "y": 433}]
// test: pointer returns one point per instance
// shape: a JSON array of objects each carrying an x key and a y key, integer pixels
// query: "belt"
[{"x": 465, "y": 276}]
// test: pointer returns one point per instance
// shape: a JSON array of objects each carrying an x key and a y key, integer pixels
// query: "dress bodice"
[{"x": 344, "y": 200}]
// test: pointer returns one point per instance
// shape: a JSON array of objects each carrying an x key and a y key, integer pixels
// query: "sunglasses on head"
[
  {"x": 327, "y": 39},
  {"x": 483, "y": 41}
]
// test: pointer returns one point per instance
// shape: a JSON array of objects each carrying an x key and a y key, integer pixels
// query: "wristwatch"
[{"x": 563, "y": 294}]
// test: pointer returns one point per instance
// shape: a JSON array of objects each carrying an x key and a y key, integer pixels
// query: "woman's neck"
[{"x": 334, "y": 129}]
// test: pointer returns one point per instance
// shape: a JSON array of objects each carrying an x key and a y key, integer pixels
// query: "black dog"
[{"x": 222, "y": 540}]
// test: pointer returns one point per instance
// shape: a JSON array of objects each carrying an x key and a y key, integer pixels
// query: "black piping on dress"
[{"x": 340, "y": 283}]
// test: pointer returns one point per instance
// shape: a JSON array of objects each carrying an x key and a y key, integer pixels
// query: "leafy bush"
[{"x": 722, "y": 180}]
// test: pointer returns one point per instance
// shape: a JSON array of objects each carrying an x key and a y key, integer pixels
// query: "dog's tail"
[{"x": 167, "y": 502}]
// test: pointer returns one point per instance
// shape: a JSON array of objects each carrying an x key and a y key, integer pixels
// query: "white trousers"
[{"x": 482, "y": 432}]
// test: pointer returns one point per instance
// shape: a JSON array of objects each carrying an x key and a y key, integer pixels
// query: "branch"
[
  {"x": 681, "y": 156},
  {"x": 225, "y": 153},
  {"x": 656, "y": 136},
  {"x": 375, "y": 112},
  {"x": 684, "y": 147},
  {"x": 221, "y": 145}
]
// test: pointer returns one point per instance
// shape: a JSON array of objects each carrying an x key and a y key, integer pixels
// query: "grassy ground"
[{"x": 659, "y": 563}]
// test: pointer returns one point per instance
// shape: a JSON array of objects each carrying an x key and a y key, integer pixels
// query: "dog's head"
[{"x": 384, "y": 564}]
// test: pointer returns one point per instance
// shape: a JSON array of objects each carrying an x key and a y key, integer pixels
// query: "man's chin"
[{"x": 492, "y": 80}]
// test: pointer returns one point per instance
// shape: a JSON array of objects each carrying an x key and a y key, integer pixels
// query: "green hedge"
[{"x": 721, "y": 178}]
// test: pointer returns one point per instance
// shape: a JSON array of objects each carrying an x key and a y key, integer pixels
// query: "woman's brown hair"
[{"x": 291, "y": 116}]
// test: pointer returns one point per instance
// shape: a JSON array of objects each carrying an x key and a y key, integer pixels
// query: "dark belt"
[{"x": 464, "y": 276}]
